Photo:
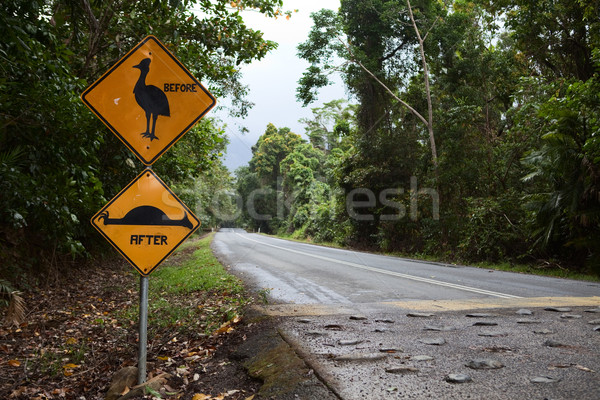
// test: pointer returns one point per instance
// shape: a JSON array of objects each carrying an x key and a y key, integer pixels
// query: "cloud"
[{"x": 273, "y": 80}]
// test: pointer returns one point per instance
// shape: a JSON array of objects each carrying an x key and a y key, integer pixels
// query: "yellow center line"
[
  {"x": 282, "y": 310},
  {"x": 473, "y": 304}
]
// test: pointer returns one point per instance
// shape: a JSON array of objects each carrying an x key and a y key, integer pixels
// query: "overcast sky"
[{"x": 273, "y": 81}]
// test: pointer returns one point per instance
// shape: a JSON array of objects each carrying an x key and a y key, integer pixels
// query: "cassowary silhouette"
[{"x": 150, "y": 98}]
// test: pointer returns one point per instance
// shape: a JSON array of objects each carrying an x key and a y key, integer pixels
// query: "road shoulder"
[{"x": 267, "y": 357}]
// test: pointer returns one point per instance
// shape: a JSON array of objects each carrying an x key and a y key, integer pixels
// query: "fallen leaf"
[
  {"x": 169, "y": 389},
  {"x": 225, "y": 328},
  {"x": 70, "y": 366},
  {"x": 14, "y": 363},
  {"x": 553, "y": 366},
  {"x": 18, "y": 392},
  {"x": 200, "y": 396},
  {"x": 71, "y": 340},
  {"x": 59, "y": 392},
  {"x": 182, "y": 370},
  {"x": 582, "y": 368}
]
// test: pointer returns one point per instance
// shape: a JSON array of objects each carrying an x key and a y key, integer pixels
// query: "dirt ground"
[{"x": 73, "y": 341}]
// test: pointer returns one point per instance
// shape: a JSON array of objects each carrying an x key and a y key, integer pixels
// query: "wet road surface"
[
  {"x": 378, "y": 327},
  {"x": 308, "y": 274}
]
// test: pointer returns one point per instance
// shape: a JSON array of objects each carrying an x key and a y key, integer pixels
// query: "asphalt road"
[
  {"x": 307, "y": 274},
  {"x": 379, "y": 327}
]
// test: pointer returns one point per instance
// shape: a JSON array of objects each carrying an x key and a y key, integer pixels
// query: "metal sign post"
[{"x": 143, "y": 330}]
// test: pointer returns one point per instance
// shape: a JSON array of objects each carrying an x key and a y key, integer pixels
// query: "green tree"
[
  {"x": 381, "y": 36},
  {"x": 507, "y": 100},
  {"x": 330, "y": 124},
  {"x": 558, "y": 107},
  {"x": 49, "y": 169},
  {"x": 380, "y": 54},
  {"x": 209, "y": 37},
  {"x": 248, "y": 188},
  {"x": 265, "y": 203},
  {"x": 270, "y": 150},
  {"x": 300, "y": 171},
  {"x": 556, "y": 36},
  {"x": 285, "y": 175},
  {"x": 477, "y": 74},
  {"x": 565, "y": 173},
  {"x": 195, "y": 154},
  {"x": 210, "y": 193},
  {"x": 58, "y": 164}
]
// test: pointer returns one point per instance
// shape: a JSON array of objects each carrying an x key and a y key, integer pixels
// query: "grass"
[
  {"x": 191, "y": 292},
  {"x": 543, "y": 271},
  {"x": 297, "y": 238},
  {"x": 200, "y": 272},
  {"x": 551, "y": 270},
  {"x": 54, "y": 362}
]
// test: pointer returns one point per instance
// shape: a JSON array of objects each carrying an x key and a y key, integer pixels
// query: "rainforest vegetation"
[
  {"x": 471, "y": 131},
  {"x": 472, "y": 134},
  {"x": 58, "y": 163}
]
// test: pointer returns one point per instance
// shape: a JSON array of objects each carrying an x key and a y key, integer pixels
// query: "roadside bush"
[{"x": 493, "y": 229}]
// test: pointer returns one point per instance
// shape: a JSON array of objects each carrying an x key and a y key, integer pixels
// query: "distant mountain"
[{"x": 238, "y": 152}]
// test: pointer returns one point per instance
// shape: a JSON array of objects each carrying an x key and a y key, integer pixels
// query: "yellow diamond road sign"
[
  {"x": 145, "y": 222},
  {"x": 148, "y": 99}
]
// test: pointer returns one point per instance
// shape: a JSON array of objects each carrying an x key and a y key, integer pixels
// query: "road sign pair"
[{"x": 149, "y": 100}]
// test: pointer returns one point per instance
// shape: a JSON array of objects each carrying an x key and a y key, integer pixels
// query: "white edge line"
[{"x": 392, "y": 273}]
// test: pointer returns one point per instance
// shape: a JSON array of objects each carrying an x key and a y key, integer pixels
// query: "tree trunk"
[{"x": 427, "y": 89}]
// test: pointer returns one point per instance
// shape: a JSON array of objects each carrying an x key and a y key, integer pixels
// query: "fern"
[
  {"x": 14, "y": 157},
  {"x": 13, "y": 301}
]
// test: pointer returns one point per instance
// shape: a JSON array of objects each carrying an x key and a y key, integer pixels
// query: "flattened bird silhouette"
[
  {"x": 146, "y": 215},
  {"x": 150, "y": 98}
]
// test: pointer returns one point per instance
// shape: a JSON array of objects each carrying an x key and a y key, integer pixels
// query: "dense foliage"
[
  {"x": 58, "y": 163},
  {"x": 475, "y": 135},
  {"x": 515, "y": 110}
]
